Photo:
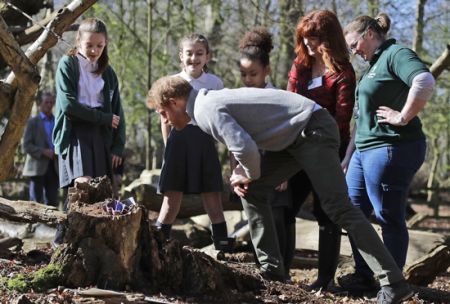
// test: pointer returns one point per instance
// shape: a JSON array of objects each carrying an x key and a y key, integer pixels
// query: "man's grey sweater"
[{"x": 249, "y": 119}]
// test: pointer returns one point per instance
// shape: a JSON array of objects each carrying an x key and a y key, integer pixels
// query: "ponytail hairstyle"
[
  {"x": 93, "y": 25},
  {"x": 323, "y": 25},
  {"x": 256, "y": 45},
  {"x": 379, "y": 25},
  {"x": 195, "y": 38}
]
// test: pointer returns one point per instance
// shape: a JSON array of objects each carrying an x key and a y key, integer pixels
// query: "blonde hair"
[
  {"x": 165, "y": 88},
  {"x": 380, "y": 25}
]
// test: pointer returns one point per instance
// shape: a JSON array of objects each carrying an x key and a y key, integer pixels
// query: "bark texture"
[{"x": 127, "y": 252}]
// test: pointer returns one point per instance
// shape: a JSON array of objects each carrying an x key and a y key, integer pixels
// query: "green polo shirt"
[{"x": 386, "y": 83}]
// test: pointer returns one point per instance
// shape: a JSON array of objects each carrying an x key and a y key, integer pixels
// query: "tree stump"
[{"x": 126, "y": 252}]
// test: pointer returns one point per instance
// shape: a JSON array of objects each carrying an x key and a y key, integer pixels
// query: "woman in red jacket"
[{"x": 322, "y": 72}]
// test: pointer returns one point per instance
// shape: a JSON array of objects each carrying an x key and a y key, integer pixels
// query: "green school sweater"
[{"x": 68, "y": 108}]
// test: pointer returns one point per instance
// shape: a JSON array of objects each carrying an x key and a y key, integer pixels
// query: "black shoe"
[
  {"x": 358, "y": 283},
  {"x": 394, "y": 293},
  {"x": 268, "y": 275},
  {"x": 225, "y": 244},
  {"x": 319, "y": 284}
]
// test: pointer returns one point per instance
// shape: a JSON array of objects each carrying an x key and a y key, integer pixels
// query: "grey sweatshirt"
[{"x": 249, "y": 119}]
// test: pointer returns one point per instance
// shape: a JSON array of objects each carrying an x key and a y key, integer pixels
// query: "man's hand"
[
  {"x": 115, "y": 160},
  {"x": 115, "y": 121},
  {"x": 239, "y": 181},
  {"x": 282, "y": 187},
  {"x": 49, "y": 153}
]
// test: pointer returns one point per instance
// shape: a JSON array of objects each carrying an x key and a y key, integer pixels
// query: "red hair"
[{"x": 325, "y": 26}]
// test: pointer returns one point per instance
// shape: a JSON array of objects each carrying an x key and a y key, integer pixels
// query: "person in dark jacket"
[{"x": 41, "y": 164}]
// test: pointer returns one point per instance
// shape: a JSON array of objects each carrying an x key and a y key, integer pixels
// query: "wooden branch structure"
[
  {"x": 27, "y": 80},
  {"x": 442, "y": 63},
  {"x": 32, "y": 33},
  {"x": 24, "y": 79}
]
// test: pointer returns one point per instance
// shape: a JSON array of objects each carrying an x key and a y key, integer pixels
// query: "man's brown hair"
[{"x": 165, "y": 88}]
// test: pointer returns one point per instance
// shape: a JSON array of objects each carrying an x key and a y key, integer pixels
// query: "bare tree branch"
[{"x": 442, "y": 63}]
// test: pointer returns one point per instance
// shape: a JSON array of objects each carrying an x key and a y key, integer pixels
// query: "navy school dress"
[{"x": 191, "y": 164}]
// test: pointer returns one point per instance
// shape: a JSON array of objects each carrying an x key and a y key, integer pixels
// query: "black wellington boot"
[
  {"x": 329, "y": 247},
  {"x": 289, "y": 248}
]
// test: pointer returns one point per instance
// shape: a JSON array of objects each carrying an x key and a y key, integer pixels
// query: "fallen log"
[
  {"x": 7, "y": 243},
  {"x": 144, "y": 189},
  {"x": 425, "y": 270},
  {"x": 30, "y": 212}
]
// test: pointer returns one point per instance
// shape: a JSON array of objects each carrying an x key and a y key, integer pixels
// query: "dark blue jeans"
[{"x": 378, "y": 180}]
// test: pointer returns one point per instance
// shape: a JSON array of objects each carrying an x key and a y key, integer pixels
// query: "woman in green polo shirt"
[{"x": 390, "y": 144}]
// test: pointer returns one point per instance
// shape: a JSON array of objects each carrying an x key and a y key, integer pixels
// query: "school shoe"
[
  {"x": 271, "y": 276},
  {"x": 394, "y": 293},
  {"x": 358, "y": 283},
  {"x": 225, "y": 244}
]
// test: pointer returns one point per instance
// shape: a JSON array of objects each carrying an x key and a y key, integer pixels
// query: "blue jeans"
[{"x": 378, "y": 180}]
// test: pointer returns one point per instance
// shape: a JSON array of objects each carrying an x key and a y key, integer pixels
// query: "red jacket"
[{"x": 336, "y": 94}]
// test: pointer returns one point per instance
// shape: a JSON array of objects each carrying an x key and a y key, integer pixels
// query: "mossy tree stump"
[{"x": 127, "y": 253}]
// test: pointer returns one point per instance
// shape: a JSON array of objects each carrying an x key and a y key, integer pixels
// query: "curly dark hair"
[{"x": 256, "y": 45}]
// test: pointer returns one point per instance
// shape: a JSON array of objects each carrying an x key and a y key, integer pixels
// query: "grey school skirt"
[
  {"x": 87, "y": 155},
  {"x": 191, "y": 164}
]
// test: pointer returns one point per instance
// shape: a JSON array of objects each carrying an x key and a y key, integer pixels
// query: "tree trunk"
[
  {"x": 290, "y": 11},
  {"x": 373, "y": 7},
  {"x": 431, "y": 178},
  {"x": 148, "y": 143},
  {"x": 418, "y": 27},
  {"x": 126, "y": 251}
]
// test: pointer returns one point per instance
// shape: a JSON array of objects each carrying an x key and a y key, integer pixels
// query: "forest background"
[{"x": 144, "y": 37}]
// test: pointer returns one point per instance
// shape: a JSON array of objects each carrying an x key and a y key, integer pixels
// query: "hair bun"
[
  {"x": 258, "y": 37},
  {"x": 383, "y": 21}
]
